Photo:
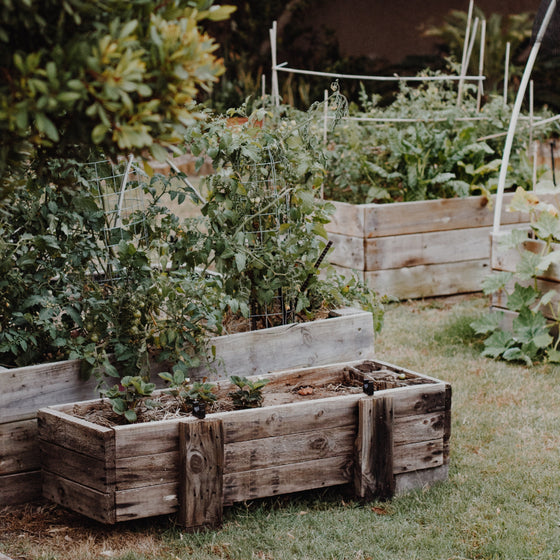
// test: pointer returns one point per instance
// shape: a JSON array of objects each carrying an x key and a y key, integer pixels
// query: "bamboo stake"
[
  {"x": 274, "y": 87},
  {"x": 515, "y": 115},
  {"x": 481, "y": 65},
  {"x": 465, "y": 49},
  {"x": 472, "y": 39},
  {"x": 506, "y": 72}
]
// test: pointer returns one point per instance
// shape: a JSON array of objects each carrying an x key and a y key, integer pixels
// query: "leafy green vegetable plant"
[
  {"x": 533, "y": 333},
  {"x": 249, "y": 393},
  {"x": 127, "y": 397},
  {"x": 422, "y": 147},
  {"x": 187, "y": 393}
]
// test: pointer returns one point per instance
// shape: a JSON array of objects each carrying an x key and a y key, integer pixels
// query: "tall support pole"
[
  {"x": 481, "y": 65},
  {"x": 515, "y": 114},
  {"x": 506, "y": 73},
  {"x": 275, "y": 93},
  {"x": 465, "y": 50}
]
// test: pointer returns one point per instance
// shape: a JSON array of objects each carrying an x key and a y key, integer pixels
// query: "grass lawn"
[{"x": 502, "y": 500}]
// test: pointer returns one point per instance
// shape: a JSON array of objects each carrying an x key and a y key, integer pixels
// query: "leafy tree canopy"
[{"x": 118, "y": 75}]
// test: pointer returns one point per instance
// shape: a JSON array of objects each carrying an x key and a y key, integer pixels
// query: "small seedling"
[
  {"x": 126, "y": 397},
  {"x": 249, "y": 394},
  {"x": 188, "y": 395}
]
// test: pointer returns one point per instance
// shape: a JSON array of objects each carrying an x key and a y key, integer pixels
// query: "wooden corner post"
[
  {"x": 373, "y": 476},
  {"x": 202, "y": 467}
]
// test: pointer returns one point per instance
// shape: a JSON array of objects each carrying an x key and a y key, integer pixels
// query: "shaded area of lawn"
[{"x": 502, "y": 500}]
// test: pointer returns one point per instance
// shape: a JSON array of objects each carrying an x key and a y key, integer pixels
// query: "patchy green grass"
[{"x": 502, "y": 500}]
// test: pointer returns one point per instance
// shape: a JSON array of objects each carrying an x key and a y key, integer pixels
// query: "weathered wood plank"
[
  {"x": 19, "y": 447},
  {"x": 25, "y": 390},
  {"x": 364, "y": 473},
  {"x": 434, "y": 215},
  {"x": 405, "y": 482},
  {"x": 324, "y": 341},
  {"x": 348, "y": 219},
  {"x": 77, "y": 467},
  {"x": 348, "y": 251},
  {"x": 414, "y": 429},
  {"x": 137, "y": 503},
  {"x": 418, "y": 456},
  {"x": 147, "y": 439},
  {"x": 147, "y": 470},
  {"x": 282, "y": 450},
  {"x": 250, "y": 485},
  {"x": 20, "y": 488},
  {"x": 95, "y": 441},
  {"x": 94, "y": 504},
  {"x": 420, "y": 399},
  {"x": 282, "y": 420},
  {"x": 447, "y": 424},
  {"x": 373, "y": 469},
  {"x": 427, "y": 248},
  {"x": 202, "y": 470},
  {"x": 430, "y": 280}
]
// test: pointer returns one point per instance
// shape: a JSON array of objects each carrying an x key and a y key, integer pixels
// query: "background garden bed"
[{"x": 417, "y": 249}]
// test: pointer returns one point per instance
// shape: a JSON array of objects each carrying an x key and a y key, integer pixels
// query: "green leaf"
[
  {"x": 496, "y": 281},
  {"x": 488, "y": 323},
  {"x": 517, "y": 355},
  {"x": 553, "y": 356},
  {"x": 131, "y": 416},
  {"x": 521, "y": 297},
  {"x": 528, "y": 265},
  {"x": 46, "y": 126},
  {"x": 497, "y": 344}
]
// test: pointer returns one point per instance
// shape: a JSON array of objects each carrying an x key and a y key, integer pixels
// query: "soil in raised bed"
[{"x": 350, "y": 380}]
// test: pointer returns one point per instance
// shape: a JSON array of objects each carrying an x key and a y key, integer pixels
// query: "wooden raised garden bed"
[
  {"x": 25, "y": 390},
  {"x": 417, "y": 249},
  {"x": 395, "y": 440}
]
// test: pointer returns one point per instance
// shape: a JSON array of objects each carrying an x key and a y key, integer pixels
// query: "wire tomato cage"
[{"x": 118, "y": 189}]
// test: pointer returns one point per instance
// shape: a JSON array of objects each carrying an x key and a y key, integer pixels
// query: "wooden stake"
[
  {"x": 373, "y": 477},
  {"x": 202, "y": 466}
]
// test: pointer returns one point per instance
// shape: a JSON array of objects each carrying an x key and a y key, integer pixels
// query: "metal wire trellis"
[{"x": 118, "y": 188}]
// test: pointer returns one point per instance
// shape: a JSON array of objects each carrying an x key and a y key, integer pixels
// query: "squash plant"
[{"x": 533, "y": 333}]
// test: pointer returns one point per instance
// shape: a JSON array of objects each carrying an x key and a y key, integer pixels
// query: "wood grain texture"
[
  {"x": 373, "y": 469},
  {"x": 201, "y": 474},
  {"x": 380, "y": 220},
  {"x": 19, "y": 447},
  {"x": 430, "y": 280},
  {"x": 418, "y": 456},
  {"x": 96, "y": 505},
  {"x": 295, "y": 477},
  {"x": 25, "y": 390},
  {"x": 20, "y": 488},
  {"x": 282, "y": 450},
  {"x": 325, "y": 341}
]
